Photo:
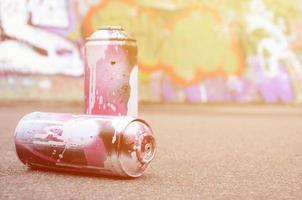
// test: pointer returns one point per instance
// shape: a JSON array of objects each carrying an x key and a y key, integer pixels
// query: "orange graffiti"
[{"x": 170, "y": 24}]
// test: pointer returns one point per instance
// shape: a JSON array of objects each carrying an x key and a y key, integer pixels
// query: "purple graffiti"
[{"x": 272, "y": 88}]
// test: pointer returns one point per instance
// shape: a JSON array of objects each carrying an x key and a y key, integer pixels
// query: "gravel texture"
[{"x": 204, "y": 152}]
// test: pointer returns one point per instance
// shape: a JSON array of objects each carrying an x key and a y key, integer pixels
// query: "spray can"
[
  {"x": 111, "y": 73},
  {"x": 108, "y": 145}
]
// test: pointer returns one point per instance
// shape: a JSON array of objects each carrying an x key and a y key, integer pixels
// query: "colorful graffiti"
[
  {"x": 189, "y": 50},
  {"x": 29, "y": 47}
]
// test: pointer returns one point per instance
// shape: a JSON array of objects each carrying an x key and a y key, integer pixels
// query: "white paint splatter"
[
  {"x": 133, "y": 99},
  {"x": 101, "y": 100},
  {"x": 133, "y": 154},
  {"x": 93, "y": 54},
  {"x": 114, "y": 137},
  {"x": 92, "y": 87},
  {"x": 119, "y": 125},
  {"x": 112, "y": 106}
]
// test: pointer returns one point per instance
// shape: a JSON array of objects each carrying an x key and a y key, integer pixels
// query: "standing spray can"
[
  {"x": 109, "y": 145},
  {"x": 111, "y": 73}
]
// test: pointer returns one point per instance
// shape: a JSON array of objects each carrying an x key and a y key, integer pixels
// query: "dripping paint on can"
[
  {"x": 111, "y": 73},
  {"x": 109, "y": 145}
]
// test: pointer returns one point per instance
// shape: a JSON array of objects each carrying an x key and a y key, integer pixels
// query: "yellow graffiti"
[{"x": 188, "y": 43}]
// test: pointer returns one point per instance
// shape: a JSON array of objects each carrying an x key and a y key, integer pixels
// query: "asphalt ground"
[{"x": 203, "y": 152}]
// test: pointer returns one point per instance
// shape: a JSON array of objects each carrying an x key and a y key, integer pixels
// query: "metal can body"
[
  {"x": 111, "y": 73},
  {"x": 121, "y": 146}
]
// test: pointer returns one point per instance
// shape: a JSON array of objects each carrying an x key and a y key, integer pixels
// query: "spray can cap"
[{"x": 136, "y": 148}]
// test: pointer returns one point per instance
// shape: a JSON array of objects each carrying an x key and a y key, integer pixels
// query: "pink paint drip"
[{"x": 107, "y": 88}]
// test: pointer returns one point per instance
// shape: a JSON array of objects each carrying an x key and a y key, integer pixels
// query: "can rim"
[
  {"x": 111, "y": 28},
  {"x": 111, "y": 39},
  {"x": 110, "y": 35}
]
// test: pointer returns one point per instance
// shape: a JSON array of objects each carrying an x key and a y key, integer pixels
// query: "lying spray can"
[
  {"x": 109, "y": 145},
  {"x": 110, "y": 73}
]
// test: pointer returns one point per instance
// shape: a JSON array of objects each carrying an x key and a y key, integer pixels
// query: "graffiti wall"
[{"x": 189, "y": 50}]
